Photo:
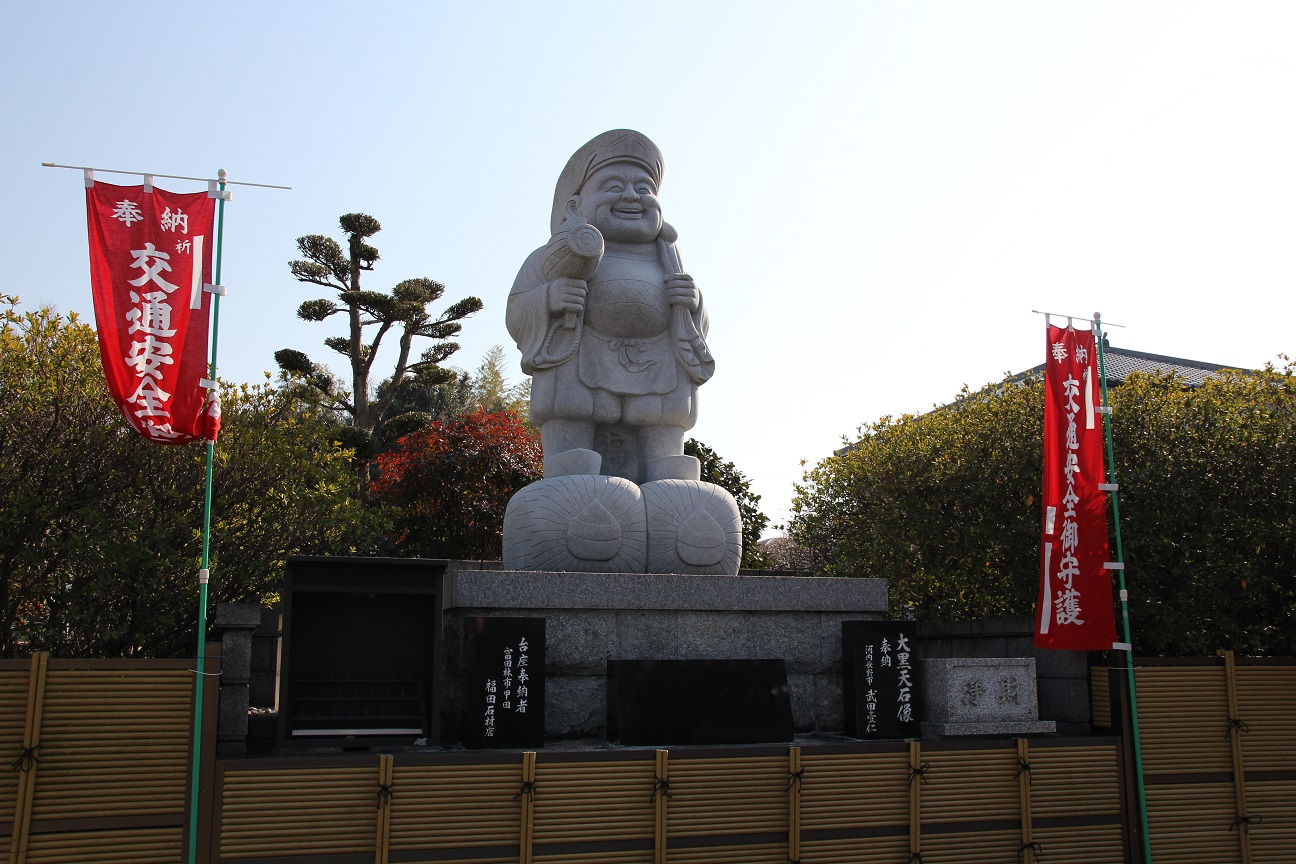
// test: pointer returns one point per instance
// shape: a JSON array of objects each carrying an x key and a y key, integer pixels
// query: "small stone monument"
[
  {"x": 980, "y": 696},
  {"x": 613, "y": 332}
]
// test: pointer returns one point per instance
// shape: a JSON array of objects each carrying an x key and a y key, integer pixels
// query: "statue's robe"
[{"x": 622, "y": 346}]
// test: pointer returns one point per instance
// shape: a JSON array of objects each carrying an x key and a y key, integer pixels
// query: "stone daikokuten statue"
[{"x": 613, "y": 333}]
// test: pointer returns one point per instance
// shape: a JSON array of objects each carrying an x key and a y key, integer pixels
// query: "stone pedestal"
[
  {"x": 981, "y": 696},
  {"x": 592, "y": 618}
]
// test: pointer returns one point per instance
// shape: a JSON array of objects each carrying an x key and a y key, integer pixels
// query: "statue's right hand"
[{"x": 567, "y": 296}]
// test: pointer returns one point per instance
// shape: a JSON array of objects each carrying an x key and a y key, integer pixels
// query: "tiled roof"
[{"x": 1121, "y": 362}]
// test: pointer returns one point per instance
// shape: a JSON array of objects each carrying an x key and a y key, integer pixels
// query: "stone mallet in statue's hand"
[{"x": 573, "y": 253}]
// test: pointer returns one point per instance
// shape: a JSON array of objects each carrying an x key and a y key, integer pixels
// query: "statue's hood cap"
[{"x": 618, "y": 145}]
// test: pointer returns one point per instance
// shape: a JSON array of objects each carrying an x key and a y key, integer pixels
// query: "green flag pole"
[
  {"x": 215, "y": 189},
  {"x": 1128, "y": 646},
  {"x": 203, "y": 573}
]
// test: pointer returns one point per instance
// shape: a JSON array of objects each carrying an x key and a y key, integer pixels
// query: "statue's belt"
[{"x": 633, "y": 367}]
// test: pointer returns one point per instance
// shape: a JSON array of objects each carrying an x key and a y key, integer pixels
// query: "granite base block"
[
  {"x": 592, "y": 618},
  {"x": 504, "y": 589},
  {"x": 575, "y": 706}
]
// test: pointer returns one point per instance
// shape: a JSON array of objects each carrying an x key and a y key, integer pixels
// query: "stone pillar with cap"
[{"x": 236, "y": 622}]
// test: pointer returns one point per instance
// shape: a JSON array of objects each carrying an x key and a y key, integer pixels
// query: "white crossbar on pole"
[
  {"x": 169, "y": 176},
  {"x": 1058, "y": 315}
]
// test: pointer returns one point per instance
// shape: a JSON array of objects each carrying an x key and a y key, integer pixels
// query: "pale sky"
[{"x": 872, "y": 196}]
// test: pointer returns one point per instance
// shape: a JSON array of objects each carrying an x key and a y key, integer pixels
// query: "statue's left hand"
[{"x": 680, "y": 291}]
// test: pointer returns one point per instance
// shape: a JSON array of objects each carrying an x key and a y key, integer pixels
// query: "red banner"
[
  {"x": 1075, "y": 598},
  {"x": 150, "y": 253}
]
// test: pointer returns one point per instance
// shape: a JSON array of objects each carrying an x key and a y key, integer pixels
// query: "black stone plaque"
[
  {"x": 503, "y": 694},
  {"x": 698, "y": 702},
  {"x": 880, "y": 687}
]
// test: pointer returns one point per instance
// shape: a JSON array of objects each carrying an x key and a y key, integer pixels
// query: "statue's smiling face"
[{"x": 621, "y": 202}]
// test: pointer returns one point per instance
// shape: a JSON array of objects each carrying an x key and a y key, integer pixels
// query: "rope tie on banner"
[
  {"x": 662, "y": 786},
  {"x": 26, "y": 760},
  {"x": 919, "y": 772},
  {"x": 794, "y": 779},
  {"x": 1035, "y": 852},
  {"x": 384, "y": 793},
  {"x": 1236, "y": 725},
  {"x": 1245, "y": 821},
  {"x": 528, "y": 789},
  {"x": 1024, "y": 767}
]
